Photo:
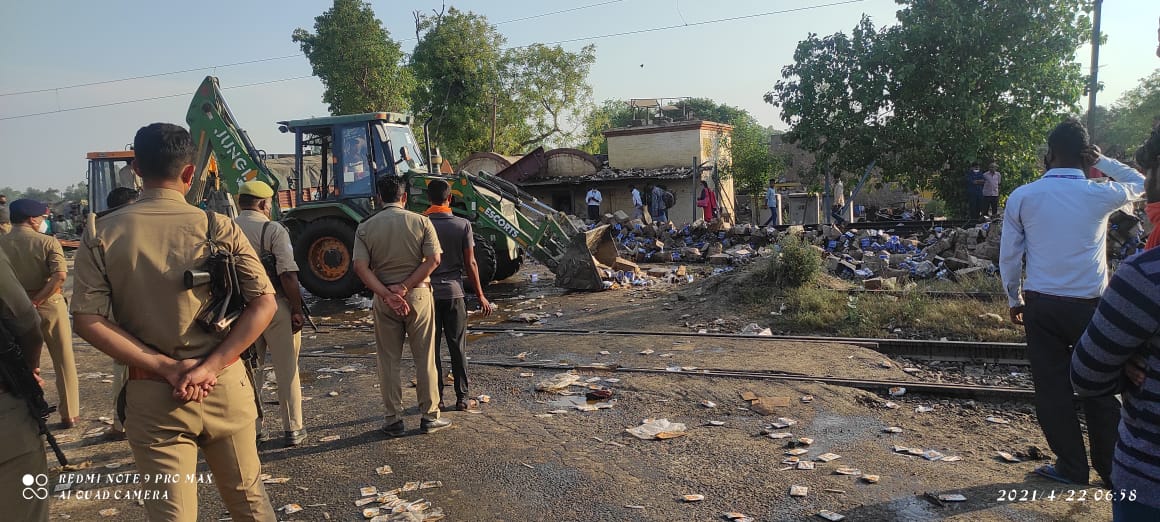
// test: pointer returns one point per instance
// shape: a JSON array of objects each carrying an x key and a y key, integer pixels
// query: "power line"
[
  {"x": 137, "y": 100},
  {"x": 704, "y": 22},
  {"x": 610, "y": 35},
  {"x": 262, "y": 60}
]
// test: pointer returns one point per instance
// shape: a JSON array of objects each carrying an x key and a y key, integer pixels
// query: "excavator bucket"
[{"x": 578, "y": 268}]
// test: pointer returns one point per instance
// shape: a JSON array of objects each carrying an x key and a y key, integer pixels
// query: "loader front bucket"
[{"x": 577, "y": 268}]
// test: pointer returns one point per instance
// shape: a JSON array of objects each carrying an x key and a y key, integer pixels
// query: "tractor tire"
[
  {"x": 324, "y": 251},
  {"x": 504, "y": 267},
  {"x": 485, "y": 259}
]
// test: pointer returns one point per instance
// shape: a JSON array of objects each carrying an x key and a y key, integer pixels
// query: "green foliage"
[
  {"x": 610, "y": 114},
  {"x": 952, "y": 83},
  {"x": 935, "y": 208},
  {"x": 1122, "y": 128},
  {"x": 797, "y": 264},
  {"x": 466, "y": 81},
  {"x": 549, "y": 86},
  {"x": 456, "y": 63},
  {"x": 356, "y": 59},
  {"x": 752, "y": 165}
]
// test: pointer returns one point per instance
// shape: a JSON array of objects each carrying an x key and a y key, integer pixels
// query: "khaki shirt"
[
  {"x": 16, "y": 309},
  {"x": 34, "y": 256},
  {"x": 131, "y": 266},
  {"x": 277, "y": 239},
  {"x": 395, "y": 242}
]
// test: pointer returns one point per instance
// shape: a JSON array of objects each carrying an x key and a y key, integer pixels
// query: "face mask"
[{"x": 43, "y": 226}]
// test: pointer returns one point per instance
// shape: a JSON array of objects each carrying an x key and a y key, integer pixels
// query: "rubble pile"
[
  {"x": 878, "y": 258},
  {"x": 715, "y": 242},
  {"x": 882, "y": 260}
]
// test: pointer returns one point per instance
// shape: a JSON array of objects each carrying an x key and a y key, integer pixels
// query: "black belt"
[{"x": 1079, "y": 300}]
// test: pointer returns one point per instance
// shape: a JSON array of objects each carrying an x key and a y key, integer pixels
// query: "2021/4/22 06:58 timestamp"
[{"x": 1065, "y": 495}]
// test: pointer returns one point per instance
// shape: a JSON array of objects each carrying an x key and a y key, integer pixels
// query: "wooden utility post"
[{"x": 1094, "y": 83}]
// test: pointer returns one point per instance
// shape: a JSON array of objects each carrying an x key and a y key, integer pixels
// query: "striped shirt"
[{"x": 1127, "y": 323}]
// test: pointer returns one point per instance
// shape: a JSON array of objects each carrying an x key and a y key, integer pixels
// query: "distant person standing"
[
  {"x": 637, "y": 203},
  {"x": 1058, "y": 224},
  {"x": 975, "y": 182},
  {"x": 707, "y": 202},
  {"x": 458, "y": 259},
  {"x": 772, "y": 200},
  {"x": 282, "y": 338},
  {"x": 38, "y": 262},
  {"x": 657, "y": 207},
  {"x": 991, "y": 180},
  {"x": 593, "y": 199},
  {"x": 5, "y": 217},
  {"x": 395, "y": 252}
]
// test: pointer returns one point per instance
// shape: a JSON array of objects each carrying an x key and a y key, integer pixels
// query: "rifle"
[{"x": 17, "y": 376}]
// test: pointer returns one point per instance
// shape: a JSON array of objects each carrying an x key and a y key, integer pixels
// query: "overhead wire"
[
  {"x": 262, "y": 60},
  {"x": 596, "y": 37},
  {"x": 137, "y": 100}
]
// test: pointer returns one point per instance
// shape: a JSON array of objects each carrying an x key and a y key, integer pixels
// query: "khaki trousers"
[
  {"x": 418, "y": 328},
  {"x": 165, "y": 434},
  {"x": 57, "y": 331},
  {"x": 22, "y": 453},
  {"x": 283, "y": 344}
]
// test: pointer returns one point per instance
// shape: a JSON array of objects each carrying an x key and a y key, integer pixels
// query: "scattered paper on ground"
[{"x": 657, "y": 429}]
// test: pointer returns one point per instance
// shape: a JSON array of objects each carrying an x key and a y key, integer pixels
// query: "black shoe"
[
  {"x": 461, "y": 405},
  {"x": 432, "y": 426},
  {"x": 394, "y": 430},
  {"x": 294, "y": 438},
  {"x": 263, "y": 436}
]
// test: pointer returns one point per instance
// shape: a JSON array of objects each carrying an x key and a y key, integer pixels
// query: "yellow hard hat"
[{"x": 258, "y": 189}]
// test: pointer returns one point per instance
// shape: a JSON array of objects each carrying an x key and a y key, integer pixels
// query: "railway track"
[
  {"x": 917, "y": 349},
  {"x": 945, "y": 390},
  {"x": 912, "y": 387}
]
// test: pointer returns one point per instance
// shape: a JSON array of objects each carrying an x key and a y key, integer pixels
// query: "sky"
[{"x": 53, "y": 45}]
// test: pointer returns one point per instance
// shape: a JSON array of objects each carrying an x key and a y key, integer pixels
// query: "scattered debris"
[
  {"x": 952, "y": 458},
  {"x": 952, "y": 497},
  {"x": 932, "y": 455},
  {"x": 997, "y": 420},
  {"x": 1007, "y": 457},
  {"x": 806, "y": 399},
  {"x": 708, "y": 404},
  {"x": 805, "y": 465},
  {"x": 830, "y": 515},
  {"x": 715, "y": 423},
  {"x": 484, "y": 399},
  {"x": 897, "y": 391},
  {"x": 827, "y": 457},
  {"x": 384, "y": 470},
  {"x": 848, "y": 471},
  {"x": 558, "y": 382},
  {"x": 329, "y": 438},
  {"x": 797, "y": 451},
  {"x": 780, "y": 435},
  {"x": 527, "y": 374},
  {"x": 798, "y": 491},
  {"x": 693, "y": 498},
  {"x": 290, "y": 508},
  {"x": 870, "y": 479},
  {"x": 783, "y": 422},
  {"x": 892, "y": 429},
  {"x": 923, "y": 409},
  {"x": 657, "y": 429},
  {"x": 109, "y": 512}
]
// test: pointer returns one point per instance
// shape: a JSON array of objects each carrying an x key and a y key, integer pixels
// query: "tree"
[
  {"x": 356, "y": 59},
  {"x": 610, "y": 114},
  {"x": 1122, "y": 128},
  {"x": 456, "y": 65},
  {"x": 709, "y": 110},
  {"x": 952, "y": 83},
  {"x": 550, "y": 85},
  {"x": 751, "y": 163}
]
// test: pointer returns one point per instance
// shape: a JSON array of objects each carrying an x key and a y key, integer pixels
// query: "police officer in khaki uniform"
[
  {"x": 395, "y": 252},
  {"x": 186, "y": 388},
  {"x": 38, "y": 262},
  {"x": 5, "y": 219},
  {"x": 22, "y": 452},
  {"x": 283, "y": 338}
]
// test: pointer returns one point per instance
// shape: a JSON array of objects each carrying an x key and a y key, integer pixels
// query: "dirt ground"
[{"x": 513, "y": 460}]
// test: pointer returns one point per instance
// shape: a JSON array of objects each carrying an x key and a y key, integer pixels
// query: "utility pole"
[{"x": 1094, "y": 83}]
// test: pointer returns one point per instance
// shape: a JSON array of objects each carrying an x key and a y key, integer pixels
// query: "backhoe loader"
[{"x": 348, "y": 153}]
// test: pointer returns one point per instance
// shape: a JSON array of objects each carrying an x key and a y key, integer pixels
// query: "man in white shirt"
[
  {"x": 637, "y": 203},
  {"x": 594, "y": 200},
  {"x": 1058, "y": 224},
  {"x": 771, "y": 201}
]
